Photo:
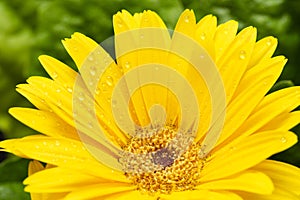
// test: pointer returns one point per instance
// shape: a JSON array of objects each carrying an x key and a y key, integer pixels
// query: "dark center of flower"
[{"x": 156, "y": 167}]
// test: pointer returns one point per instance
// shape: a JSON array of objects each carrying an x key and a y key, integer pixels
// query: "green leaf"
[
  {"x": 13, "y": 191},
  {"x": 13, "y": 169}
]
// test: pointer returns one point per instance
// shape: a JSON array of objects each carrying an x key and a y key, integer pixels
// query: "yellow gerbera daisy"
[{"x": 105, "y": 137}]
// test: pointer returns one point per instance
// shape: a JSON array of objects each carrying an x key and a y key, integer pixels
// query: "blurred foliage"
[{"x": 34, "y": 27}]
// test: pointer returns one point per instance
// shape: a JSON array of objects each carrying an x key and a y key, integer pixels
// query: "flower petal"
[
  {"x": 271, "y": 106},
  {"x": 201, "y": 194},
  {"x": 283, "y": 175},
  {"x": 205, "y": 31},
  {"x": 238, "y": 54},
  {"x": 283, "y": 122},
  {"x": 98, "y": 191},
  {"x": 59, "y": 72},
  {"x": 58, "y": 179},
  {"x": 79, "y": 47},
  {"x": 251, "y": 90},
  {"x": 132, "y": 195},
  {"x": 263, "y": 49},
  {"x": 278, "y": 194},
  {"x": 44, "y": 122},
  {"x": 249, "y": 181},
  {"x": 223, "y": 37},
  {"x": 63, "y": 152},
  {"x": 243, "y": 154}
]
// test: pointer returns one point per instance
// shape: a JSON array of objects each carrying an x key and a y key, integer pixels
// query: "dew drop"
[
  {"x": 91, "y": 83},
  {"x": 97, "y": 91},
  {"x": 90, "y": 58},
  {"x": 202, "y": 36},
  {"x": 90, "y": 124},
  {"x": 54, "y": 75},
  {"x": 69, "y": 89},
  {"x": 242, "y": 55},
  {"x": 114, "y": 103},
  {"x": 269, "y": 42},
  {"x": 283, "y": 140},
  {"x": 127, "y": 65},
  {"x": 57, "y": 143},
  {"x": 92, "y": 70},
  {"x": 58, "y": 90},
  {"x": 187, "y": 19},
  {"x": 59, "y": 103},
  {"x": 120, "y": 23},
  {"x": 109, "y": 81},
  {"x": 104, "y": 87},
  {"x": 81, "y": 96},
  {"x": 226, "y": 31},
  {"x": 202, "y": 56}
]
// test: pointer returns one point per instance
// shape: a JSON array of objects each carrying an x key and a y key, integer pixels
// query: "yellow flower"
[{"x": 180, "y": 155}]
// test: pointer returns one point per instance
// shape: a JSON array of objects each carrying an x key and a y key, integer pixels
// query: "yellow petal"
[
  {"x": 44, "y": 122},
  {"x": 284, "y": 122},
  {"x": 34, "y": 166},
  {"x": 263, "y": 49},
  {"x": 246, "y": 153},
  {"x": 205, "y": 31},
  {"x": 123, "y": 21},
  {"x": 223, "y": 37},
  {"x": 249, "y": 181},
  {"x": 251, "y": 90},
  {"x": 62, "y": 152},
  {"x": 132, "y": 195},
  {"x": 26, "y": 91},
  {"x": 237, "y": 55},
  {"x": 186, "y": 23},
  {"x": 283, "y": 175},
  {"x": 57, "y": 179},
  {"x": 59, "y": 72},
  {"x": 79, "y": 47},
  {"x": 201, "y": 194},
  {"x": 278, "y": 194},
  {"x": 270, "y": 107},
  {"x": 98, "y": 191}
]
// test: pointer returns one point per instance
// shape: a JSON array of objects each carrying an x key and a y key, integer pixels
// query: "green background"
[{"x": 34, "y": 27}]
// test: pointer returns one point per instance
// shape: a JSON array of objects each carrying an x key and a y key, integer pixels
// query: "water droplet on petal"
[
  {"x": 202, "y": 36},
  {"x": 104, "y": 87},
  {"x": 59, "y": 103},
  {"x": 269, "y": 42},
  {"x": 81, "y": 96},
  {"x": 242, "y": 55},
  {"x": 97, "y": 91},
  {"x": 187, "y": 19},
  {"x": 202, "y": 56},
  {"x": 283, "y": 140},
  {"x": 92, "y": 70},
  {"x": 54, "y": 75},
  {"x": 69, "y": 89},
  {"x": 109, "y": 81},
  {"x": 90, "y": 58},
  {"x": 58, "y": 90},
  {"x": 57, "y": 143},
  {"x": 127, "y": 65},
  {"x": 226, "y": 31},
  {"x": 120, "y": 23}
]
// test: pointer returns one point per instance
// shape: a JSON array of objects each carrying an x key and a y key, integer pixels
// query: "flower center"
[{"x": 163, "y": 162}]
